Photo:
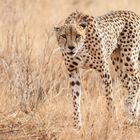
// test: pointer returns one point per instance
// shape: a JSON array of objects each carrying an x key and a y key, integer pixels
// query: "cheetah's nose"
[{"x": 71, "y": 47}]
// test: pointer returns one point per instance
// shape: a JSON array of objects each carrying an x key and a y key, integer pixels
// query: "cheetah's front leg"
[
  {"x": 76, "y": 93},
  {"x": 106, "y": 78}
]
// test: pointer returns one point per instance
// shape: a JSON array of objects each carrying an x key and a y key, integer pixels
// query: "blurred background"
[{"x": 35, "y": 99}]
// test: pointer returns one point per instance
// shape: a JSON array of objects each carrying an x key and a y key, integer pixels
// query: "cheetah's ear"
[
  {"x": 83, "y": 25},
  {"x": 56, "y": 29}
]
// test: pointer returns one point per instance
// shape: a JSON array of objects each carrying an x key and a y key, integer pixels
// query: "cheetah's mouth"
[{"x": 70, "y": 53}]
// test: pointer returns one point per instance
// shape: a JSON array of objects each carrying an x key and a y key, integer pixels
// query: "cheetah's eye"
[
  {"x": 78, "y": 36},
  {"x": 64, "y": 36}
]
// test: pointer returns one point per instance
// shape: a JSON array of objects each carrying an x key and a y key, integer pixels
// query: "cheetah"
[{"x": 88, "y": 42}]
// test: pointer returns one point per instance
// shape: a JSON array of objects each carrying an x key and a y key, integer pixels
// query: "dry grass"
[{"x": 35, "y": 100}]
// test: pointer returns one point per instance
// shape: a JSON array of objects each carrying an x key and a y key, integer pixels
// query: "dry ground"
[{"x": 35, "y": 100}]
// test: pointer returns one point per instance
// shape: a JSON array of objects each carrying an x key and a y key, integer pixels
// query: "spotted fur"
[{"x": 88, "y": 42}]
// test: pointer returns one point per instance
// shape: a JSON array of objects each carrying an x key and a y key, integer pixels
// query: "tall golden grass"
[{"x": 35, "y": 100}]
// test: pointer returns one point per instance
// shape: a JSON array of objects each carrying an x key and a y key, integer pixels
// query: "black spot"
[
  {"x": 125, "y": 30},
  {"x": 125, "y": 50},
  {"x": 77, "y": 93},
  {"x": 71, "y": 66},
  {"x": 127, "y": 58},
  {"x": 125, "y": 76},
  {"x": 109, "y": 78},
  {"x": 106, "y": 90},
  {"x": 78, "y": 58},
  {"x": 107, "y": 84},
  {"x": 117, "y": 58},
  {"x": 122, "y": 34},
  {"x": 74, "y": 113},
  {"x": 113, "y": 62},
  {"x": 88, "y": 35},
  {"x": 74, "y": 97},
  {"x": 117, "y": 67},
  {"x": 77, "y": 83},
  {"x": 90, "y": 65},
  {"x": 72, "y": 83},
  {"x": 75, "y": 63},
  {"x": 126, "y": 64}
]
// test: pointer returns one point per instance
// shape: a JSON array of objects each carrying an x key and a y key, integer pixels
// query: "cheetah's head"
[{"x": 71, "y": 37}]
